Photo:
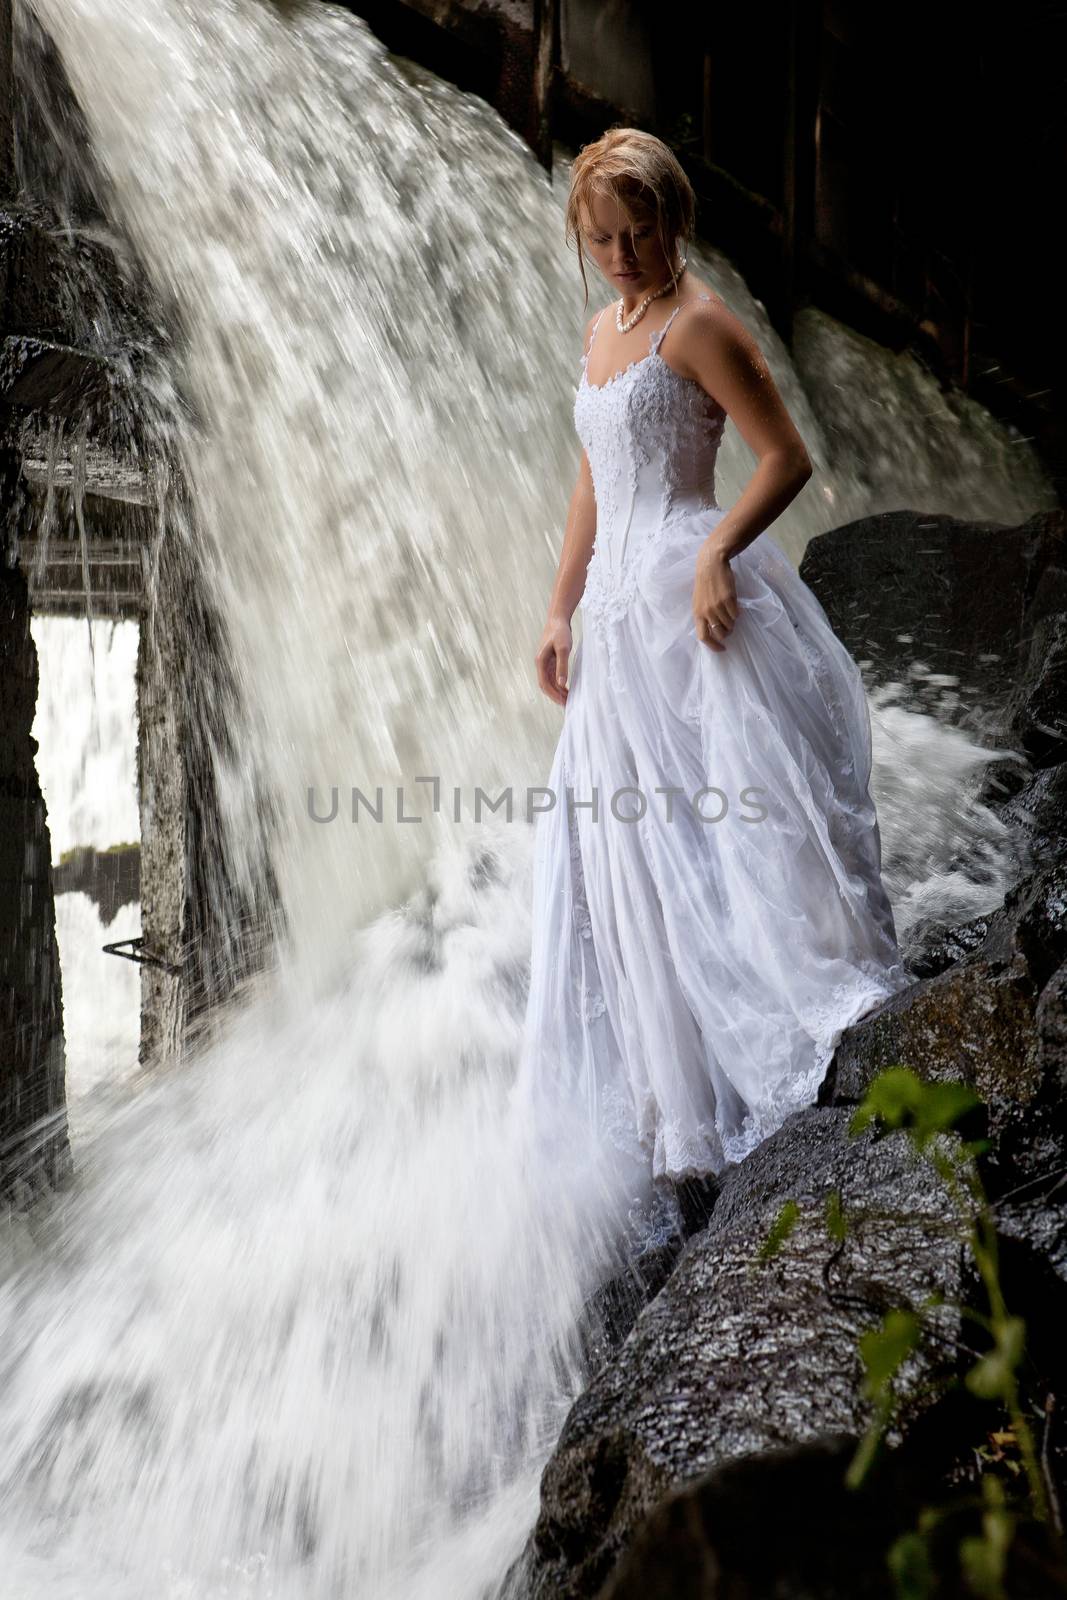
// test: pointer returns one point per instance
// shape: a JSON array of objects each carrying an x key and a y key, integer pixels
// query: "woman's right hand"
[{"x": 553, "y": 659}]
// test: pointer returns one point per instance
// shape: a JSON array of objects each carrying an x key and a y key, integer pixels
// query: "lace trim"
[
  {"x": 672, "y": 1148},
  {"x": 655, "y": 339},
  {"x": 606, "y": 598}
]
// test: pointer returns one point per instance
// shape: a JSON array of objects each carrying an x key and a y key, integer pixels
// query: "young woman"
[{"x": 708, "y": 908}]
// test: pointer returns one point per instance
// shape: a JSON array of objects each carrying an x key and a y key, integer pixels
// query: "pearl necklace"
[{"x": 636, "y": 315}]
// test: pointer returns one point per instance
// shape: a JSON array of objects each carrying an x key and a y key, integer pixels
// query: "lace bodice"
[{"x": 652, "y": 437}]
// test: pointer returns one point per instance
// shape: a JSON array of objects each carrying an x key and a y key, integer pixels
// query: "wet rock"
[
  {"x": 1038, "y": 812},
  {"x": 736, "y": 1357},
  {"x": 614, "y": 1308},
  {"x": 616, "y": 1305},
  {"x": 1029, "y": 1164},
  {"x": 781, "y": 1525},
  {"x": 932, "y": 947},
  {"x": 997, "y": 1019},
  {"x": 974, "y": 1021},
  {"x": 965, "y": 598},
  {"x": 1037, "y": 709},
  {"x": 42, "y": 375},
  {"x": 32, "y": 266}
]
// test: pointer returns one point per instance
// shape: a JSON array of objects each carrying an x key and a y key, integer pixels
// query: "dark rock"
[
  {"x": 975, "y": 1020},
  {"x": 1038, "y": 813},
  {"x": 978, "y": 601},
  {"x": 1029, "y": 1165},
  {"x": 932, "y": 947},
  {"x": 33, "y": 272},
  {"x": 734, "y": 1357},
  {"x": 998, "y": 1021},
  {"x": 43, "y": 375},
  {"x": 778, "y": 1523},
  {"x": 781, "y": 1525},
  {"x": 1030, "y": 929},
  {"x": 696, "y": 1198},
  {"x": 616, "y": 1305},
  {"x": 1037, "y": 710}
]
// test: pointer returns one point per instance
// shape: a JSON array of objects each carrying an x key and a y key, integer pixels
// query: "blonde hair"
[{"x": 637, "y": 170}]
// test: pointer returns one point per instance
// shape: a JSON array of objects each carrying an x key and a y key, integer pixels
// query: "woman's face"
[{"x": 624, "y": 244}]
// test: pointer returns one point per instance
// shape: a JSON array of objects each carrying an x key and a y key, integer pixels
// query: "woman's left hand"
[{"x": 714, "y": 597}]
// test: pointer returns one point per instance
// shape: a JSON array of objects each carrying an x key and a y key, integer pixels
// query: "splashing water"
[
  {"x": 295, "y": 1269},
  {"x": 306, "y": 1326},
  {"x": 376, "y": 310}
]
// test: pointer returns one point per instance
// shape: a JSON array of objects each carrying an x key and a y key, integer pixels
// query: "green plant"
[
  {"x": 779, "y": 1231},
  {"x": 898, "y": 1100},
  {"x": 930, "y": 1115}
]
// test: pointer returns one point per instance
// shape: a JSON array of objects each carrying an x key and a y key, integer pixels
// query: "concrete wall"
[
  {"x": 34, "y": 1151},
  {"x": 207, "y": 934}
]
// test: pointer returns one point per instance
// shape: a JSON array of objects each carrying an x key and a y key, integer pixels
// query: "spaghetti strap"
[
  {"x": 592, "y": 336},
  {"x": 657, "y": 336}
]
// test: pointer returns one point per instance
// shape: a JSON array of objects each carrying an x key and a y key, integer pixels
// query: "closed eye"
[{"x": 642, "y": 233}]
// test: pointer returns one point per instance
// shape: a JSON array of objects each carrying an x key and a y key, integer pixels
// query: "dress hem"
[{"x": 759, "y": 1126}]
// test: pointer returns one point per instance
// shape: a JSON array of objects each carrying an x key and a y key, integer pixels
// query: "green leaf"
[
  {"x": 992, "y": 1375},
  {"x": 884, "y": 1349},
  {"x": 891, "y": 1097},
  {"x": 984, "y": 1557},
  {"x": 836, "y": 1221},
  {"x": 978, "y": 1563},
  {"x": 780, "y": 1229},
  {"x": 908, "y": 1560},
  {"x": 899, "y": 1098},
  {"x": 943, "y": 1105},
  {"x": 866, "y": 1450}
]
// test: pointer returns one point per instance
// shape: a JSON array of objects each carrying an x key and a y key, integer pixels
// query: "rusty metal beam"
[
  {"x": 8, "y": 182},
  {"x": 546, "y": 54},
  {"x": 103, "y": 603},
  {"x": 68, "y": 553}
]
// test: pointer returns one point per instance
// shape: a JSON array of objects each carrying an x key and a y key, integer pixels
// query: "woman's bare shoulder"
[
  {"x": 704, "y": 297},
  {"x": 710, "y": 336},
  {"x": 591, "y": 324}
]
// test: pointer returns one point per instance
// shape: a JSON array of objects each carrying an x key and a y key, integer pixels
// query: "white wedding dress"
[{"x": 690, "y": 977}]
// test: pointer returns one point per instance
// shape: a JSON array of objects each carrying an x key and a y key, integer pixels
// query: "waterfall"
[
  {"x": 381, "y": 331},
  {"x": 306, "y": 1326}
]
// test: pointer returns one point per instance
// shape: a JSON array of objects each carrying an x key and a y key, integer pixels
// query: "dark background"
[{"x": 901, "y": 166}]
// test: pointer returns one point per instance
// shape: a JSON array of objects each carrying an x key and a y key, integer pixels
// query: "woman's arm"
[
  {"x": 577, "y": 547},
  {"x": 553, "y": 652},
  {"x": 725, "y": 359}
]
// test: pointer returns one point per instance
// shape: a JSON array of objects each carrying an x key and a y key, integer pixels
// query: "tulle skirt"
[{"x": 708, "y": 907}]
